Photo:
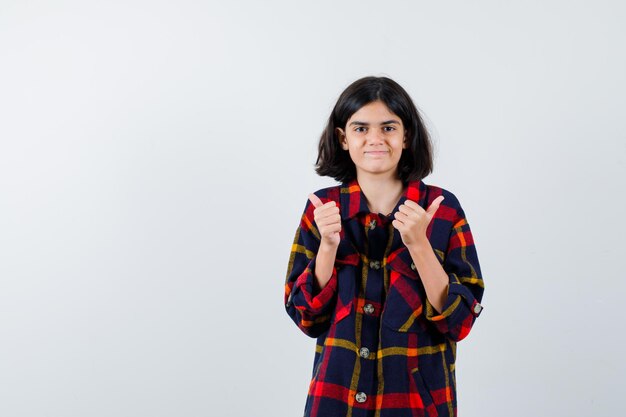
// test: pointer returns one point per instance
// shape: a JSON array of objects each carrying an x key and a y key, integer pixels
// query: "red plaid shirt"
[{"x": 382, "y": 349}]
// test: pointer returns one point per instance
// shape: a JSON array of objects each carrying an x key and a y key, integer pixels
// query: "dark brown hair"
[{"x": 416, "y": 161}]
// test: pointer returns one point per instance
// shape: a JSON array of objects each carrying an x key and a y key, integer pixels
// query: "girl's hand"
[
  {"x": 328, "y": 221},
  {"x": 412, "y": 221}
]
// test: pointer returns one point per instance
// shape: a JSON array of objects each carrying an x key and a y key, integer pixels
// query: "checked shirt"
[{"x": 382, "y": 349}]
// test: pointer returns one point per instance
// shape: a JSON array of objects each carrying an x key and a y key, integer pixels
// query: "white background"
[{"x": 155, "y": 158}]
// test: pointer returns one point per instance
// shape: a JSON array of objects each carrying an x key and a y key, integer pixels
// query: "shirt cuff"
[
  {"x": 459, "y": 311},
  {"x": 316, "y": 300}
]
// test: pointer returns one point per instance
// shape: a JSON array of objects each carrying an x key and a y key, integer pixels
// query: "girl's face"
[{"x": 374, "y": 137}]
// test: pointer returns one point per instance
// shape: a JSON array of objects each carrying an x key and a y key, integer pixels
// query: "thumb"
[
  {"x": 315, "y": 200},
  {"x": 434, "y": 206}
]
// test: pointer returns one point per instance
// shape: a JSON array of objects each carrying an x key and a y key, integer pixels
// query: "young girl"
[{"x": 383, "y": 270}]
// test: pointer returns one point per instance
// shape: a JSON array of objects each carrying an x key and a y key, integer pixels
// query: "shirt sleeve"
[
  {"x": 308, "y": 306},
  {"x": 465, "y": 289}
]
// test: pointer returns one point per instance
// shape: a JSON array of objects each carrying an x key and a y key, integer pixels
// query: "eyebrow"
[{"x": 387, "y": 122}]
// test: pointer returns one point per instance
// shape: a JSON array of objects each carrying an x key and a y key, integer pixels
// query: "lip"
[{"x": 376, "y": 152}]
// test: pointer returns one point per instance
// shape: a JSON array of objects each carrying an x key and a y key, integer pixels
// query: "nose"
[{"x": 374, "y": 137}]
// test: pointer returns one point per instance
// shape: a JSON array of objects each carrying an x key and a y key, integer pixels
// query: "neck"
[{"x": 382, "y": 193}]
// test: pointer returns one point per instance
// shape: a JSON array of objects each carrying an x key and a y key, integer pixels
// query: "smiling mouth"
[{"x": 376, "y": 152}]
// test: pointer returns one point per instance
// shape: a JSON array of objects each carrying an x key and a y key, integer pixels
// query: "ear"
[
  {"x": 342, "y": 138},
  {"x": 405, "y": 142}
]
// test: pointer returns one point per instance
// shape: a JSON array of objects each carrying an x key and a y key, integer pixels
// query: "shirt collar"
[{"x": 353, "y": 202}]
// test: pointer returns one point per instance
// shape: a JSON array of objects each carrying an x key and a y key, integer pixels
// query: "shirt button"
[
  {"x": 412, "y": 266},
  {"x": 368, "y": 308},
  {"x": 364, "y": 352},
  {"x": 372, "y": 224},
  {"x": 478, "y": 308},
  {"x": 375, "y": 264},
  {"x": 361, "y": 397}
]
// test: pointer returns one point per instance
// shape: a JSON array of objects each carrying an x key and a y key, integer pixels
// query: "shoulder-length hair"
[{"x": 416, "y": 161}]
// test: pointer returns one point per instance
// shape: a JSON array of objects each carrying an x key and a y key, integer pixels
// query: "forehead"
[{"x": 374, "y": 112}]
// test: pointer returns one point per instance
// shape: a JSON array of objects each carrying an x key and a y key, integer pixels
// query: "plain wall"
[{"x": 155, "y": 158}]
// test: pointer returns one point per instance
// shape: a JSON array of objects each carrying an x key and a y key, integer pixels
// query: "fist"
[
  {"x": 328, "y": 220},
  {"x": 412, "y": 220}
]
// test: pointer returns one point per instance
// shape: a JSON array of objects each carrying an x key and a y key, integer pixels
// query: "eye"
[
  {"x": 389, "y": 128},
  {"x": 359, "y": 129}
]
